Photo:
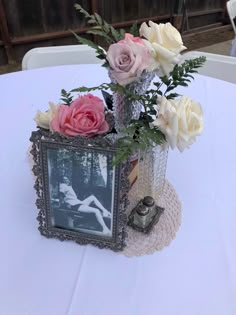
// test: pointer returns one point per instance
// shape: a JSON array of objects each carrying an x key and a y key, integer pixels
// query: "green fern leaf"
[{"x": 134, "y": 29}]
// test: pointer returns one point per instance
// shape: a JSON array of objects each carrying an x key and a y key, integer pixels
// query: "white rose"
[
  {"x": 190, "y": 119},
  {"x": 43, "y": 119},
  {"x": 167, "y": 120},
  {"x": 164, "y": 43},
  {"x": 180, "y": 120}
]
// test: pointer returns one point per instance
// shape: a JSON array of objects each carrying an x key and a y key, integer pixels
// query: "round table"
[{"x": 195, "y": 275}]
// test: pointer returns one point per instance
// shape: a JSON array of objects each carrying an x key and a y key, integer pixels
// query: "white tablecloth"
[{"x": 195, "y": 275}]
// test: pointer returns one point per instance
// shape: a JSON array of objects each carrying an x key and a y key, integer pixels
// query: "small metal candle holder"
[{"x": 145, "y": 215}]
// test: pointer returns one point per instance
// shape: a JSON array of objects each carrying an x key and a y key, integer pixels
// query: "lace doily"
[{"x": 139, "y": 244}]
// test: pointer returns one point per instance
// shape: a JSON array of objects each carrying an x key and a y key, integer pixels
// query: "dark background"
[{"x": 25, "y": 24}]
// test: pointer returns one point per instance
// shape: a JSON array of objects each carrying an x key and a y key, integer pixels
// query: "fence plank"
[
  {"x": 31, "y": 21},
  {"x": 6, "y": 40},
  {"x": 30, "y": 17}
]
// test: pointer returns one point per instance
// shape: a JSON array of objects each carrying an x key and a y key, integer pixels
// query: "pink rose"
[
  {"x": 85, "y": 116},
  {"x": 132, "y": 38},
  {"x": 127, "y": 59}
]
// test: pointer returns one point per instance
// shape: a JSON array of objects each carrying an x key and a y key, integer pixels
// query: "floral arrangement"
[{"x": 164, "y": 117}]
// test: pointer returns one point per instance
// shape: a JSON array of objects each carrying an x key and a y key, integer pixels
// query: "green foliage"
[
  {"x": 85, "y": 13},
  {"x": 83, "y": 89},
  {"x": 66, "y": 97},
  {"x": 181, "y": 75},
  {"x": 114, "y": 87},
  {"x": 139, "y": 137},
  {"x": 99, "y": 51},
  {"x": 134, "y": 29},
  {"x": 122, "y": 32},
  {"x": 100, "y": 27}
]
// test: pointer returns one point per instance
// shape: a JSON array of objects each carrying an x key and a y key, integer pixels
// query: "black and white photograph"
[
  {"x": 81, "y": 195},
  {"x": 81, "y": 190}
]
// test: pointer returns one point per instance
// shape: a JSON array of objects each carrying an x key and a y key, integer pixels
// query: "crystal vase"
[
  {"x": 151, "y": 166},
  {"x": 150, "y": 182},
  {"x": 150, "y": 175},
  {"x": 126, "y": 110},
  {"x": 151, "y": 172}
]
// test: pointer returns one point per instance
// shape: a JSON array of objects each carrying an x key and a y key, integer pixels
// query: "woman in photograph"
[{"x": 71, "y": 199}]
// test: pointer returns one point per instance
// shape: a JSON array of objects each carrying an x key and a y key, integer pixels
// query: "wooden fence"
[{"x": 25, "y": 24}]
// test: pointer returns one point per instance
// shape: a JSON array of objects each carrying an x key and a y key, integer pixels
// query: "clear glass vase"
[
  {"x": 152, "y": 162},
  {"x": 125, "y": 110},
  {"x": 151, "y": 172}
]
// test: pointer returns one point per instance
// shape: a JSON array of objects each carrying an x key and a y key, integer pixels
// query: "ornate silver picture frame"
[{"x": 81, "y": 195}]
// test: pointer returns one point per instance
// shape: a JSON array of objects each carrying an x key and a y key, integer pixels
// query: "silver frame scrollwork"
[{"x": 42, "y": 137}]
